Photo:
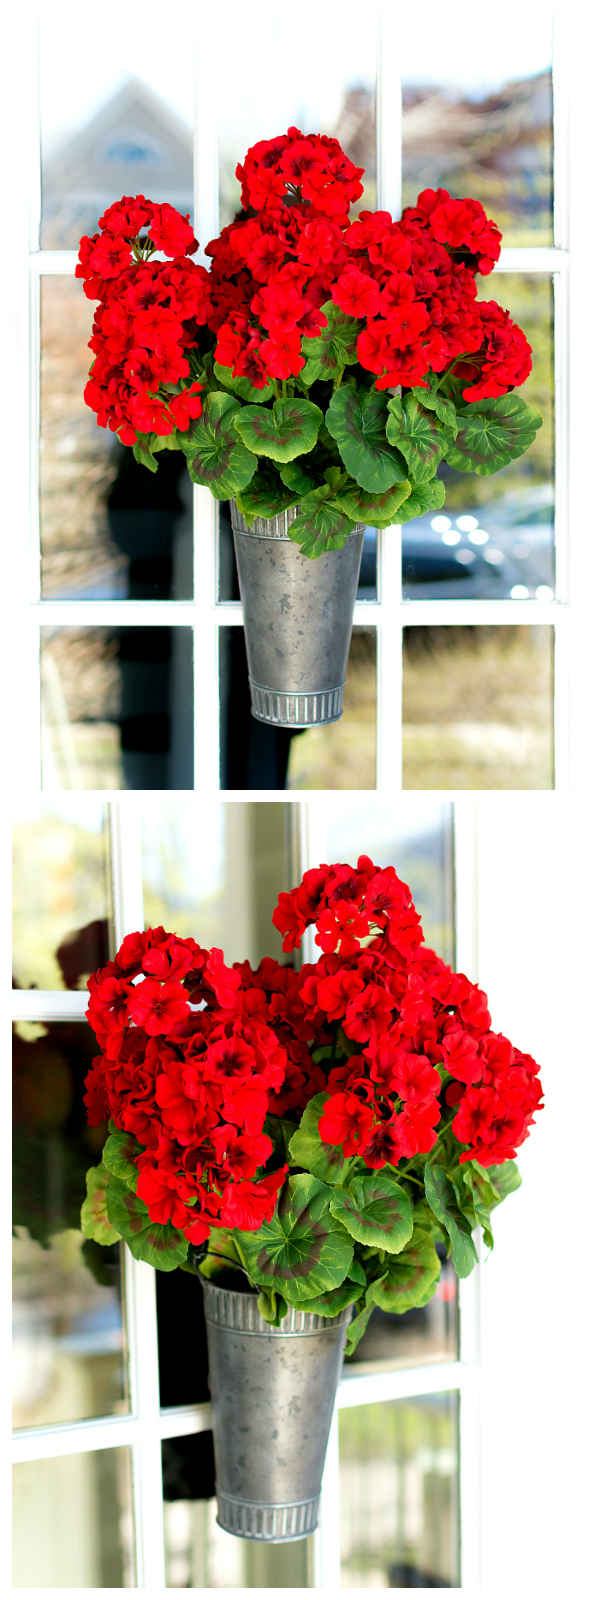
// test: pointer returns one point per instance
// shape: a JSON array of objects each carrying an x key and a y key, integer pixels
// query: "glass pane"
[
  {"x": 428, "y": 1333},
  {"x": 399, "y": 1494},
  {"x": 117, "y": 708},
  {"x": 276, "y": 78},
  {"x": 110, "y": 530},
  {"x": 73, "y": 1522},
  {"x": 229, "y": 588},
  {"x": 478, "y": 120},
  {"x": 116, "y": 118},
  {"x": 414, "y": 837},
  {"x": 69, "y": 1339},
  {"x": 342, "y": 755},
  {"x": 62, "y": 902},
  {"x": 478, "y": 708},
  {"x": 494, "y": 538},
  {"x": 200, "y": 1555},
  {"x": 222, "y": 896}
]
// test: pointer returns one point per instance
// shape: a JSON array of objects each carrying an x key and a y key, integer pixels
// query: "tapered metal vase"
[
  {"x": 272, "y": 1394},
  {"x": 297, "y": 620}
]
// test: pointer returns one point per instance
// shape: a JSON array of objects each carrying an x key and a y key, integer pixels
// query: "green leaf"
[
  {"x": 444, "y": 408},
  {"x": 504, "y": 1179},
  {"x": 440, "y": 1195},
  {"x": 423, "y": 497},
  {"x": 289, "y": 430},
  {"x": 332, "y": 349},
  {"x": 491, "y": 433},
  {"x": 143, "y": 451},
  {"x": 215, "y": 455},
  {"x": 118, "y": 1154},
  {"x": 331, "y": 1303},
  {"x": 418, "y": 435},
  {"x": 357, "y": 1274},
  {"x": 410, "y": 1278},
  {"x": 480, "y": 1195},
  {"x": 325, "y": 1161},
  {"x": 356, "y": 1329},
  {"x": 357, "y": 418},
  {"x": 376, "y": 510},
  {"x": 271, "y": 1306},
  {"x": 242, "y": 387},
  {"x": 375, "y": 1211},
  {"x": 160, "y": 1244},
  {"x": 280, "y": 1131},
  {"x": 303, "y": 1251},
  {"x": 295, "y": 477},
  {"x": 265, "y": 496},
  {"x": 222, "y": 1252},
  {"x": 321, "y": 525},
  {"x": 95, "y": 1222}
]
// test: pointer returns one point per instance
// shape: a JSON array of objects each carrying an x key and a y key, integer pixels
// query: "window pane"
[
  {"x": 73, "y": 1522},
  {"x": 117, "y": 708},
  {"x": 199, "y": 1554},
  {"x": 342, "y": 755},
  {"x": 414, "y": 837},
  {"x": 69, "y": 1338},
  {"x": 116, "y": 118},
  {"x": 223, "y": 895},
  {"x": 478, "y": 708},
  {"x": 399, "y": 1494},
  {"x": 278, "y": 78},
  {"x": 110, "y": 529},
  {"x": 62, "y": 902},
  {"x": 478, "y": 121},
  {"x": 506, "y": 549}
]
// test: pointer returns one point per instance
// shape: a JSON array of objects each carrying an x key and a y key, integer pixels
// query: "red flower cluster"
[
  {"x": 146, "y": 320},
  {"x": 309, "y": 167},
  {"x": 195, "y": 1086}
]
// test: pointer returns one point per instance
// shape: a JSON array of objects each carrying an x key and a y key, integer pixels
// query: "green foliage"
[
  {"x": 419, "y": 435},
  {"x": 442, "y": 1198},
  {"x": 321, "y": 525},
  {"x": 431, "y": 398},
  {"x": 357, "y": 1328},
  {"x": 95, "y": 1221},
  {"x": 302, "y": 1251},
  {"x": 242, "y": 386},
  {"x": 375, "y": 1211},
  {"x": 504, "y": 1179},
  {"x": 160, "y": 1244},
  {"x": 325, "y": 1161},
  {"x": 265, "y": 495},
  {"x": 289, "y": 430},
  {"x": 330, "y": 1303},
  {"x": 143, "y": 451},
  {"x": 491, "y": 433},
  {"x": 295, "y": 476},
  {"x": 376, "y": 510},
  {"x": 215, "y": 455},
  {"x": 423, "y": 497},
  {"x": 332, "y": 349},
  {"x": 410, "y": 1278},
  {"x": 357, "y": 418},
  {"x": 118, "y": 1154}
]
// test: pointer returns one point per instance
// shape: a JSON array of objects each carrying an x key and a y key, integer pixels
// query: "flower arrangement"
[
  {"x": 321, "y": 363},
  {"x": 321, "y": 1129}
]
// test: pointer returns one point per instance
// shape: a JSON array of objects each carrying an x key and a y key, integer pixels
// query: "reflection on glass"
[
  {"x": 115, "y": 119},
  {"x": 200, "y": 1555},
  {"x": 223, "y": 895},
  {"x": 62, "y": 910},
  {"x": 69, "y": 1340},
  {"x": 494, "y": 537},
  {"x": 414, "y": 837},
  {"x": 280, "y": 80},
  {"x": 110, "y": 529},
  {"x": 478, "y": 707},
  {"x": 117, "y": 708},
  {"x": 427, "y": 1333},
  {"x": 478, "y": 121},
  {"x": 73, "y": 1522},
  {"x": 342, "y": 754},
  {"x": 399, "y": 1494}
]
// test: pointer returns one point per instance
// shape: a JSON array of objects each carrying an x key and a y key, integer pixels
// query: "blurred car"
[{"x": 501, "y": 551}]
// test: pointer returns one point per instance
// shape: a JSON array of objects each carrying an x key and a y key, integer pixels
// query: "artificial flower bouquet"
[
  {"x": 323, "y": 364},
  {"x": 321, "y": 1129}
]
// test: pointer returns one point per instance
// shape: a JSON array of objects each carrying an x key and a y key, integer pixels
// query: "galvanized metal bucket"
[
  {"x": 297, "y": 620},
  {"x": 272, "y": 1392}
]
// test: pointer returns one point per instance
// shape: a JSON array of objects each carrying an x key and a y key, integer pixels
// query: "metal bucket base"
[
  {"x": 290, "y": 710},
  {"x": 273, "y": 1524}
]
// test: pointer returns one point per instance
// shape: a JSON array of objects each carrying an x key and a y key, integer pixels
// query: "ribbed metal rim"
[
  {"x": 289, "y": 708},
  {"x": 230, "y": 1308},
  {"x": 273, "y": 527},
  {"x": 272, "y": 1523}
]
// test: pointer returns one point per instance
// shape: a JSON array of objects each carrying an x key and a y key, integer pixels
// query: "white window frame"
[
  {"x": 577, "y": 568},
  {"x": 147, "y": 1425}
]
